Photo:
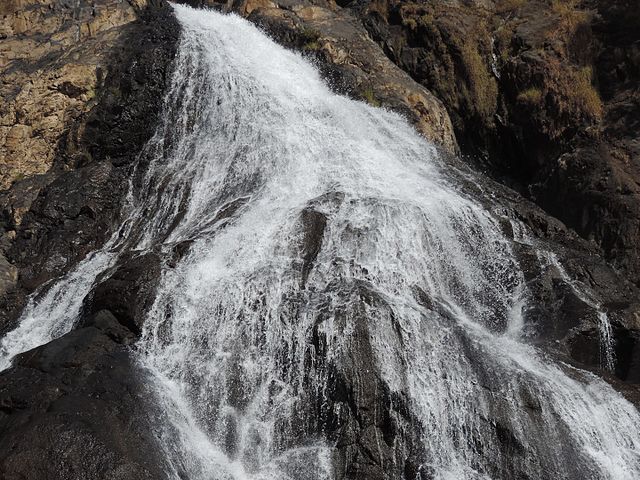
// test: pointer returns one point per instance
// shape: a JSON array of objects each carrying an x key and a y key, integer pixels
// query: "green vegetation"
[
  {"x": 311, "y": 46},
  {"x": 411, "y": 23},
  {"x": 585, "y": 96},
  {"x": 310, "y": 38},
  {"x": 369, "y": 96},
  {"x": 483, "y": 88},
  {"x": 426, "y": 19},
  {"x": 570, "y": 15},
  {"x": 531, "y": 96},
  {"x": 504, "y": 36}
]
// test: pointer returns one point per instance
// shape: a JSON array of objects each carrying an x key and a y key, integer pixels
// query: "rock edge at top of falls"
[{"x": 350, "y": 60}]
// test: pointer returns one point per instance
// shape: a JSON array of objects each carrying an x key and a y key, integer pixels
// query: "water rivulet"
[{"x": 339, "y": 308}]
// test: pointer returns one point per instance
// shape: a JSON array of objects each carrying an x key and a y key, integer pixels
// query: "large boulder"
[
  {"x": 78, "y": 408},
  {"x": 127, "y": 290}
]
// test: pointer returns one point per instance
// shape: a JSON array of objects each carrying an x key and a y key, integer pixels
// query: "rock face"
[
  {"x": 543, "y": 94},
  {"x": 563, "y": 315},
  {"x": 52, "y": 63},
  {"x": 119, "y": 55},
  {"x": 127, "y": 291}
]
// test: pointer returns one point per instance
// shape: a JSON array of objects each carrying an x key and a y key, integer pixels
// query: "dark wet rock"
[
  {"x": 561, "y": 312},
  {"x": 372, "y": 427},
  {"x": 627, "y": 355},
  {"x": 179, "y": 251},
  {"x": 127, "y": 290},
  {"x": 313, "y": 225},
  {"x": 69, "y": 218},
  {"x": 585, "y": 346},
  {"x": 8, "y": 276},
  {"x": 77, "y": 408}
]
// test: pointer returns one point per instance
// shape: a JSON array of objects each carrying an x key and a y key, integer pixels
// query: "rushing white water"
[{"x": 325, "y": 239}]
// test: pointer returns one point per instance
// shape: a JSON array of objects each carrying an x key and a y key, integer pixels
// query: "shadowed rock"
[
  {"x": 313, "y": 225},
  {"x": 127, "y": 291},
  {"x": 78, "y": 408}
]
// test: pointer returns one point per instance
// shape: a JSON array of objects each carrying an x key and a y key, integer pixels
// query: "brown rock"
[{"x": 50, "y": 61}]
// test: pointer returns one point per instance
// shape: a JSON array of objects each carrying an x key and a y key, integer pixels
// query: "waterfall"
[{"x": 325, "y": 241}]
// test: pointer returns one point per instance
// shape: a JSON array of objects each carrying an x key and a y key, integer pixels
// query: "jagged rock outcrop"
[
  {"x": 569, "y": 286},
  {"x": 127, "y": 290},
  {"x": 52, "y": 62}
]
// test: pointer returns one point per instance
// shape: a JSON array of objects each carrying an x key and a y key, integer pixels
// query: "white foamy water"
[
  {"x": 52, "y": 312},
  {"x": 323, "y": 233}
]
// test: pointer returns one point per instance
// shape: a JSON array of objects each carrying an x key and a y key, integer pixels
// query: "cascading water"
[
  {"x": 548, "y": 259},
  {"x": 324, "y": 238}
]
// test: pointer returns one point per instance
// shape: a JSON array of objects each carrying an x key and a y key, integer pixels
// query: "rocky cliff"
[
  {"x": 81, "y": 86},
  {"x": 542, "y": 96}
]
